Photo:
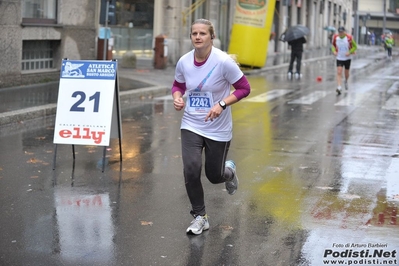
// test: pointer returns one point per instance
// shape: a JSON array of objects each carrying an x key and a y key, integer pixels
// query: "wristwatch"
[{"x": 222, "y": 104}]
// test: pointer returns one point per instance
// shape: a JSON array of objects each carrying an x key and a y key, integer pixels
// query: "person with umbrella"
[
  {"x": 331, "y": 30},
  {"x": 296, "y": 54},
  {"x": 343, "y": 46},
  {"x": 295, "y": 36}
]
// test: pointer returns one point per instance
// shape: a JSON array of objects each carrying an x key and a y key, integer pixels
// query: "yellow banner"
[{"x": 251, "y": 30}]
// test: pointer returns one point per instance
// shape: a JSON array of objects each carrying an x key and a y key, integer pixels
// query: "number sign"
[{"x": 85, "y": 102}]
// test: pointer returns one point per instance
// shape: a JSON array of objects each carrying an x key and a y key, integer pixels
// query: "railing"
[{"x": 188, "y": 11}]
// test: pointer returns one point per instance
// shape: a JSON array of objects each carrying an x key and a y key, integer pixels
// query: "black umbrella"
[{"x": 294, "y": 32}]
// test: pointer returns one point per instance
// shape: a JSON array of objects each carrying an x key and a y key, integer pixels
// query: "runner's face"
[
  {"x": 200, "y": 35},
  {"x": 342, "y": 34}
]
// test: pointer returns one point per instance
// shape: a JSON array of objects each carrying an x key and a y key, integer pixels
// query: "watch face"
[{"x": 222, "y": 104}]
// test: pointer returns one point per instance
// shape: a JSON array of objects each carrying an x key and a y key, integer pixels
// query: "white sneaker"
[
  {"x": 231, "y": 185},
  {"x": 297, "y": 76},
  {"x": 338, "y": 90},
  {"x": 199, "y": 224},
  {"x": 289, "y": 75}
]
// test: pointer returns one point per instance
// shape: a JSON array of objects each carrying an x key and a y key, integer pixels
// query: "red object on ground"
[{"x": 319, "y": 78}]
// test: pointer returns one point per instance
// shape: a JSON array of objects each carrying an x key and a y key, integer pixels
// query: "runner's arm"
[
  {"x": 354, "y": 47},
  {"x": 178, "y": 90},
  {"x": 177, "y": 86},
  {"x": 333, "y": 43},
  {"x": 242, "y": 88}
]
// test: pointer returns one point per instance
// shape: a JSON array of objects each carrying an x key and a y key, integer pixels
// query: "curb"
[
  {"x": 284, "y": 65},
  {"x": 126, "y": 97}
]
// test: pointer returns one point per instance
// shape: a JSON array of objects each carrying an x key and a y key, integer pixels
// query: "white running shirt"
[
  {"x": 206, "y": 86},
  {"x": 343, "y": 48}
]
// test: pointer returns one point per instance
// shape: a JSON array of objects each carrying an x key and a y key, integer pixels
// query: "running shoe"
[
  {"x": 289, "y": 75},
  {"x": 338, "y": 90},
  {"x": 231, "y": 185},
  {"x": 199, "y": 224}
]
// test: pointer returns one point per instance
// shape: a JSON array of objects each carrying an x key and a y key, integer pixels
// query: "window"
[
  {"x": 37, "y": 55},
  {"x": 39, "y": 11},
  {"x": 128, "y": 13}
]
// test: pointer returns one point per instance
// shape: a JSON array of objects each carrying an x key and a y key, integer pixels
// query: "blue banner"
[{"x": 79, "y": 69}]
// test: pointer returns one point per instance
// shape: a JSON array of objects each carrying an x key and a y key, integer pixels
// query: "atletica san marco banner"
[
  {"x": 85, "y": 106},
  {"x": 251, "y": 31}
]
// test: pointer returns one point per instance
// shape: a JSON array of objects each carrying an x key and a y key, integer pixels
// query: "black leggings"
[
  {"x": 389, "y": 49},
  {"x": 298, "y": 56},
  {"x": 215, "y": 157}
]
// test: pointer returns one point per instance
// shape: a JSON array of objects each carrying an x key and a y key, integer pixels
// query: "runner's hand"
[
  {"x": 178, "y": 103},
  {"x": 214, "y": 113}
]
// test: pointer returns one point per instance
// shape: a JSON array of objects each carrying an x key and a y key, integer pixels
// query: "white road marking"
[
  {"x": 268, "y": 96},
  {"x": 353, "y": 99},
  {"x": 392, "y": 103},
  {"x": 166, "y": 97},
  {"x": 310, "y": 98}
]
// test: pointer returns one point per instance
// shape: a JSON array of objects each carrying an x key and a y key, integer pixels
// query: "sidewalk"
[{"x": 19, "y": 104}]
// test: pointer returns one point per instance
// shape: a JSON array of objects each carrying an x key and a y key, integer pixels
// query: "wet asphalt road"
[{"x": 318, "y": 182}]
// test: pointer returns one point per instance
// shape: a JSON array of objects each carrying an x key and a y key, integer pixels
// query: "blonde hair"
[
  {"x": 211, "y": 28},
  {"x": 234, "y": 57}
]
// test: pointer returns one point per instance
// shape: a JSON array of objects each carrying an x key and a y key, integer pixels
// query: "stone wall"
[
  {"x": 74, "y": 36},
  {"x": 10, "y": 42}
]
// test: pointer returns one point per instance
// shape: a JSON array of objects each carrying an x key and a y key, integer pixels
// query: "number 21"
[{"x": 82, "y": 95}]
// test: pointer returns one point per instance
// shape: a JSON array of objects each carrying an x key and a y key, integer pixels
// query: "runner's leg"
[
  {"x": 339, "y": 75},
  {"x": 192, "y": 146},
  {"x": 215, "y": 158}
]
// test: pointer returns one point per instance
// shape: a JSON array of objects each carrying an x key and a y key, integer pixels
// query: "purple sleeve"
[
  {"x": 242, "y": 88},
  {"x": 177, "y": 86}
]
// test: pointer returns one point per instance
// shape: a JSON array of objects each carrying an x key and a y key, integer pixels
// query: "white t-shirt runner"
[
  {"x": 343, "y": 48},
  {"x": 206, "y": 86}
]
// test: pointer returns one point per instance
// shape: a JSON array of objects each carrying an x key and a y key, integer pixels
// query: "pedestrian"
[
  {"x": 330, "y": 36},
  {"x": 205, "y": 75},
  {"x": 389, "y": 42},
  {"x": 368, "y": 38},
  {"x": 343, "y": 46},
  {"x": 372, "y": 36},
  {"x": 296, "y": 54}
]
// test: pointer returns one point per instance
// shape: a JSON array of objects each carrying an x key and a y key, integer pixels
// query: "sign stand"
[{"x": 88, "y": 108}]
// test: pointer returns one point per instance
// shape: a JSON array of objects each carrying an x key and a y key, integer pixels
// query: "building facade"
[
  {"x": 37, "y": 34},
  {"x": 376, "y": 16}
]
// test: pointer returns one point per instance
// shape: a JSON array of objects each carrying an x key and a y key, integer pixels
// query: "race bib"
[{"x": 200, "y": 102}]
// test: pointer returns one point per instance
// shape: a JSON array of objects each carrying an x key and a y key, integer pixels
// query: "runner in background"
[
  {"x": 389, "y": 42},
  {"x": 343, "y": 46}
]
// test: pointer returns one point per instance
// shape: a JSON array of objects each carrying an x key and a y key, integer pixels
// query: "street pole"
[
  {"x": 356, "y": 24},
  {"x": 106, "y": 31},
  {"x": 385, "y": 17}
]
